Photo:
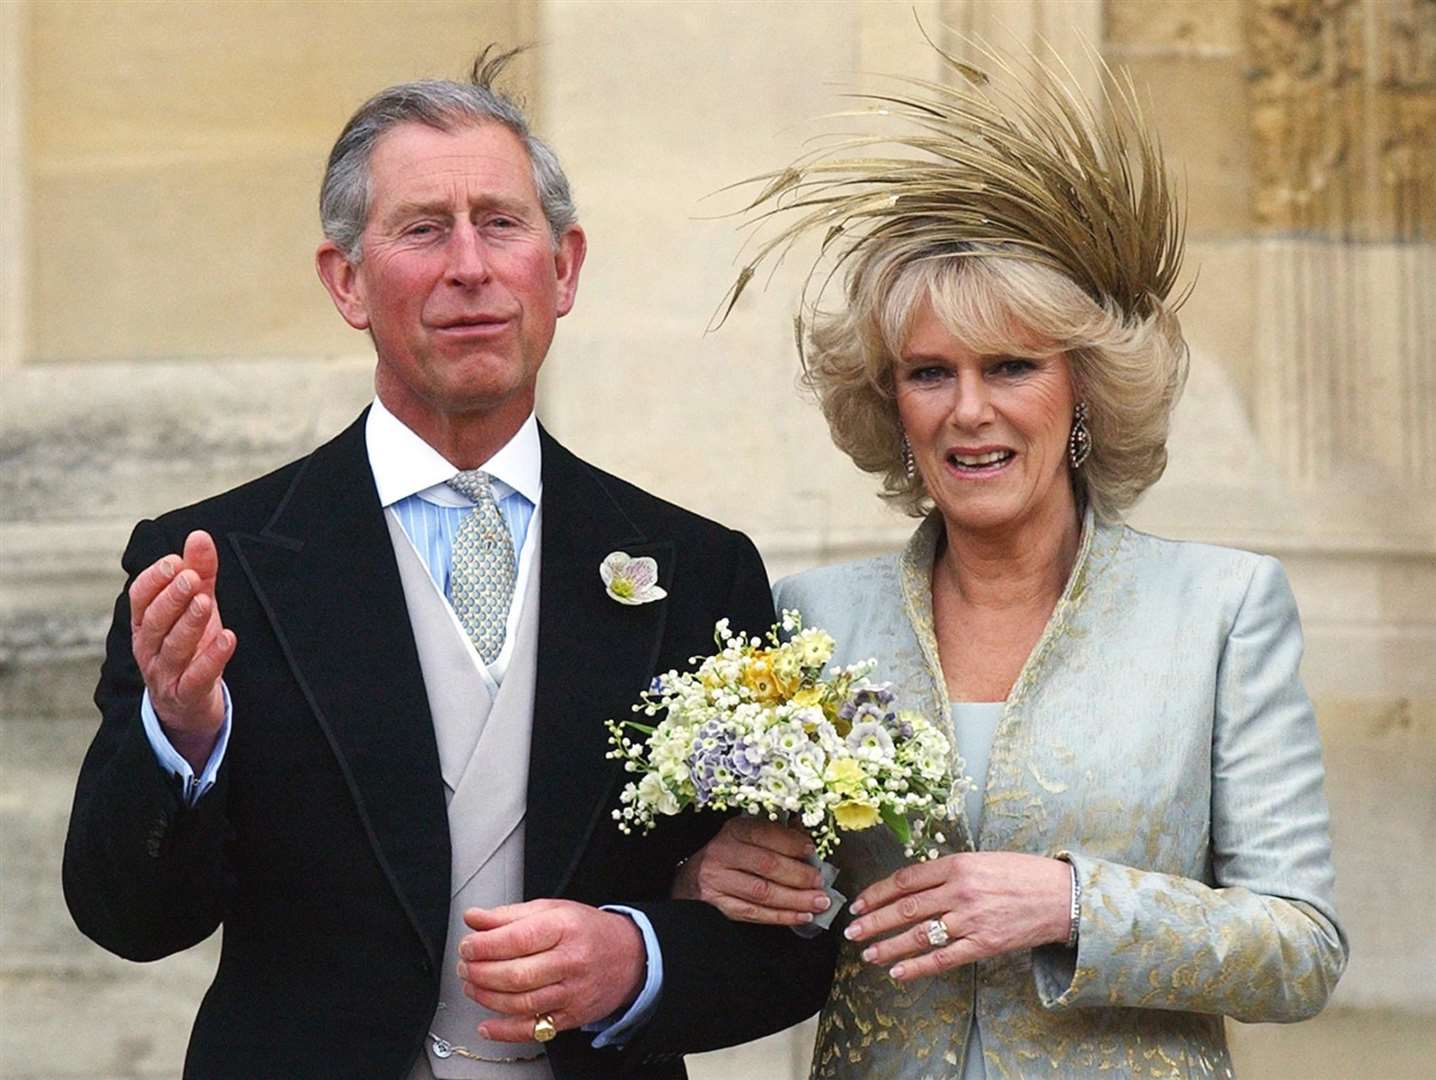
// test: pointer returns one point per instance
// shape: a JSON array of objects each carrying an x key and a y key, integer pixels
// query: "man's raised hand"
[{"x": 181, "y": 646}]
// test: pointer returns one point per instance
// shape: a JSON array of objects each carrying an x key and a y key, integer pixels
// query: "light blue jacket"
[{"x": 1158, "y": 733}]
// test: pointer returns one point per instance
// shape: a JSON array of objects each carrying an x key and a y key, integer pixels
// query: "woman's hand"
[
  {"x": 991, "y": 902},
  {"x": 753, "y": 871}
]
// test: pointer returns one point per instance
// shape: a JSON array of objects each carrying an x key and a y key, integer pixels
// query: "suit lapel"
[
  {"x": 594, "y": 657},
  {"x": 325, "y": 572}
]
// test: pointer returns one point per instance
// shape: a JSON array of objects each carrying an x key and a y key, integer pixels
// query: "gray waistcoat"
[{"x": 484, "y": 756}]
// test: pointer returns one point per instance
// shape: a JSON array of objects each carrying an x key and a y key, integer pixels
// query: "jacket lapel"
[
  {"x": 325, "y": 572},
  {"x": 594, "y": 657}
]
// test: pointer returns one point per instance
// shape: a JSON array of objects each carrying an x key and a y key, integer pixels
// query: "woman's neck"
[{"x": 1017, "y": 567}]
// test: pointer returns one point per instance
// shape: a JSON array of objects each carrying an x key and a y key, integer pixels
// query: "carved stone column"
[{"x": 1342, "y": 116}]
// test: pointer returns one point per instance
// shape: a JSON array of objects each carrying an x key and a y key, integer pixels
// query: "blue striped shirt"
[{"x": 431, "y": 526}]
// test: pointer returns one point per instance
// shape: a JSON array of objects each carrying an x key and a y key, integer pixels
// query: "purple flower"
[
  {"x": 869, "y": 703},
  {"x": 880, "y": 696},
  {"x": 746, "y": 759},
  {"x": 869, "y": 712},
  {"x": 713, "y": 733},
  {"x": 709, "y": 771},
  {"x": 711, "y": 762}
]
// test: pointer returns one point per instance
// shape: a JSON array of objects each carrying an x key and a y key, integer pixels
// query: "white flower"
[
  {"x": 652, "y": 791},
  {"x": 629, "y": 580},
  {"x": 779, "y": 789},
  {"x": 869, "y": 741},
  {"x": 789, "y": 738},
  {"x": 808, "y": 765}
]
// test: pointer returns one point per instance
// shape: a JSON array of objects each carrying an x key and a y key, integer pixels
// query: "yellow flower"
[
  {"x": 786, "y": 670},
  {"x": 808, "y": 695},
  {"x": 854, "y": 815},
  {"x": 845, "y": 776},
  {"x": 760, "y": 680},
  {"x": 816, "y": 647}
]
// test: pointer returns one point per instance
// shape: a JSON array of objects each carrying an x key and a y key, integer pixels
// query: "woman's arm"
[
  {"x": 725, "y": 982},
  {"x": 754, "y": 871},
  {"x": 1263, "y": 943}
]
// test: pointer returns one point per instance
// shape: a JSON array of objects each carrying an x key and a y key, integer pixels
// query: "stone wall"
[{"x": 162, "y": 337}]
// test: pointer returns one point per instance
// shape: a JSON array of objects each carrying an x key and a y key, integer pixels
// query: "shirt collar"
[{"x": 404, "y": 464}]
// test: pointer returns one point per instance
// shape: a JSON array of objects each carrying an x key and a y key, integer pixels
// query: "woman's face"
[{"x": 988, "y": 432}]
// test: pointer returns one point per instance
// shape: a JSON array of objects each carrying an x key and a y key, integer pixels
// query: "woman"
[{"x": 1145, "y": 847}]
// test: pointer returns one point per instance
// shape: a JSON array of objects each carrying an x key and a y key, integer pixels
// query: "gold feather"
[{"x": 1035, "y": 173}]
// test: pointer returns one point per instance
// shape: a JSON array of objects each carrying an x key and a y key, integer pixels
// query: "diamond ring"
[
  {"x": 544, "y": 1028},
  {"x": 937, "y": 935}
]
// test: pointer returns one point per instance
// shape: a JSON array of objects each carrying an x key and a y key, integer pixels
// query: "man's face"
[{"x": 460, "y": 281}]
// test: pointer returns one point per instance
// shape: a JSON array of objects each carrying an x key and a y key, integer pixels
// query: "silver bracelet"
[{"x": 1075, "y": 915}]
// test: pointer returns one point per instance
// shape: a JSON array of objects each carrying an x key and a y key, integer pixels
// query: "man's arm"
[
  {"x": 143, "y": 873},
  {"x": 723, "y": 983},
  {"x": 193, "y": 784},
  {"x": 726, "y": 982}
]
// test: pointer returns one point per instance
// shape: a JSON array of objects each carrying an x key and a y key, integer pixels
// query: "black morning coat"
[{"x": 323, "y": 848}]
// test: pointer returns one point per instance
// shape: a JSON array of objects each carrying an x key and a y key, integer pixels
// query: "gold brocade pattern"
[
  {"x": 1106, "y": 750},
  {"x": 880, "y": 1030}
]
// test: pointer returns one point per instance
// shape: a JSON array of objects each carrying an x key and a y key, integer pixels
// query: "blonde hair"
[{"x": 1128, "y": 369}]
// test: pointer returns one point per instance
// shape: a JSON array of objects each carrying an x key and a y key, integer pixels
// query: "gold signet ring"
[{"x": 544, "y": 1028}]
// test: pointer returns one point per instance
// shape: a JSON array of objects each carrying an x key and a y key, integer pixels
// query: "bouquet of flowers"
[{"x": 757, "y": 727}]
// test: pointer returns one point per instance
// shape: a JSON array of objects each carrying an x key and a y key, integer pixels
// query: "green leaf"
[{"x": 896, "y": 823}]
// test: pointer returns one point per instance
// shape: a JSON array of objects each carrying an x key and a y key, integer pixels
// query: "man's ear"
[
  {"x": 568, "y": 261},
  {"x": 341, "y": 278}
]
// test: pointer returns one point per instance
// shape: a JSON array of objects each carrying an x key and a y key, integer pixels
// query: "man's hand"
[
  {"x": 574, "y": 962},
  {"x": 181, "y": 646}
]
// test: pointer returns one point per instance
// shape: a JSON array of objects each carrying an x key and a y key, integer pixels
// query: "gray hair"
[{"x": 444, "y": 105}]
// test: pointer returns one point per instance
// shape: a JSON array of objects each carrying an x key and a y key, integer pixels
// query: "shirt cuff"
[
  {"x": 616, "y": 1032},
  {"x": 169, "y": 757}
]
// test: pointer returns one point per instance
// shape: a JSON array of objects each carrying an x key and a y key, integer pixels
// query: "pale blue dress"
[
  {"x": 974, "y": 723},
  {"x": 1160, "y": 738}
]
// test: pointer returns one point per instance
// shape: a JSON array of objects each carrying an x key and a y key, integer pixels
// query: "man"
[{"x": 353, "y": 710}]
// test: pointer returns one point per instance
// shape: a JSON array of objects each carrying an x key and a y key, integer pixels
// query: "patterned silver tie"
[{"x": 481, "y": 581}]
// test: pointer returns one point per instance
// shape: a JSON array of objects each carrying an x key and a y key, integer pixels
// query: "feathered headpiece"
[{"x": 1032, "y": 174}]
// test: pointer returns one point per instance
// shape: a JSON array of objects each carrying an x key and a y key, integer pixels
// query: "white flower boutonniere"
[{"x": 629, "y": 580}]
